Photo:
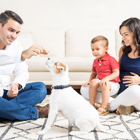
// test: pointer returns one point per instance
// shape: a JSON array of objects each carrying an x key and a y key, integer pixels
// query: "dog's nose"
[
  {"x": 48, "y": 58},
  {"x": 55, "y": 63}
]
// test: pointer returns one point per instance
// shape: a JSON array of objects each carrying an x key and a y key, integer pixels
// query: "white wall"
[{"x": 72, "y": 14}]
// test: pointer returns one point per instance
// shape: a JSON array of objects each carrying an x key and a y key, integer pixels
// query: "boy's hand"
[
  {"x": 104, "y": 81},
  {"x": 85, "y": 84},
  {"x": 13, "y": 92}
]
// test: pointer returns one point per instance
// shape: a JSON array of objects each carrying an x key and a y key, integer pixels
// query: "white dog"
[{"x": 67, "y": 101}]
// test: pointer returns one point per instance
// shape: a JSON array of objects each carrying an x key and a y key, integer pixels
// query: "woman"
[{"x": 129, "y": 59}]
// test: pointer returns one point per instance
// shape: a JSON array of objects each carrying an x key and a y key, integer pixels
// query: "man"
[{"x": 19, "y": 99}]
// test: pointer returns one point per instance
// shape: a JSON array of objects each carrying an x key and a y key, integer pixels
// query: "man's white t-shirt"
[{"x": 10, "y": 63}]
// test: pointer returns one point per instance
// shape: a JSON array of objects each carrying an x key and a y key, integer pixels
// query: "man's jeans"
[{"x": 23, "y": 107}]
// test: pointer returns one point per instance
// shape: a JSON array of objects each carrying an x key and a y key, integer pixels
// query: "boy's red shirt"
[{"x": 104, "y": 67}]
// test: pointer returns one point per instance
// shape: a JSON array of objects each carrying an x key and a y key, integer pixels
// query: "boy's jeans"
[{"x": 23, "y": 107}]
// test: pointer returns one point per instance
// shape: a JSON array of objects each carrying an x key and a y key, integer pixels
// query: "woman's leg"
[
  {"x": 22, "y": 106},
  {"x": 129, "y": 97}
]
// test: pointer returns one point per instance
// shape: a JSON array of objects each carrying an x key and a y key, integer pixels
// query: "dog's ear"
[{"x": 60, "y": 67}]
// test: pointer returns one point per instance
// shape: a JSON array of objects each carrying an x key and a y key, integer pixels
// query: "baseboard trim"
[{"x": 73, "y": 86}]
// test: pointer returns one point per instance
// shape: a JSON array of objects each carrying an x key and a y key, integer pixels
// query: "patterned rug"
[{"x": 122, "y": 127}]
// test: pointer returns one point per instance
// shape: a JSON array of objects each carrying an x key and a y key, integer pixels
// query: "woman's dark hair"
[
  {"x": 5, "y": 16},
  {"x": 133, "y": 25}
]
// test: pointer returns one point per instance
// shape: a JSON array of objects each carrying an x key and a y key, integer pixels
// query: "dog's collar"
[{"x": 60, "y": 86}]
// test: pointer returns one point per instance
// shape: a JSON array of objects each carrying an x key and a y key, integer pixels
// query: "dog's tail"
[{"x": 99, "y": 127}]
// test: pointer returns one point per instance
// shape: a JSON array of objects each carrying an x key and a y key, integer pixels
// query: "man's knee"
[
  {"x": 42, "y": 90},
  {"x": 42, "y": 86}
]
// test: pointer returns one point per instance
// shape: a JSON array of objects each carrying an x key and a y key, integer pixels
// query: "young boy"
[{"x": 104, "y": 76}]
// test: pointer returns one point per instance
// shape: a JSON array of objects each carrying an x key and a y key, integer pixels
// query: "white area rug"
[{"x": 124, "y": 127}]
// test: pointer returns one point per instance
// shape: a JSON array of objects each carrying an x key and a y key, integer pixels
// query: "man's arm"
[
  {"x": 21, "y": 75},
  {"x": 8, "y": 57},
  {"x": 33, "y": 51}
]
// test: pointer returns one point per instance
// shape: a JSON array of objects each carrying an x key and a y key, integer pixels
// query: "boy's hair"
[
  {"x": 100, "y": 38},
  {"x": 5, "y": 16}
]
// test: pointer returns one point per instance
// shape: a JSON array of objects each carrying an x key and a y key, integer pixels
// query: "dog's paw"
[
  {"x": 78, "y": 133},
  {"x": 71, "y": 133},
  {"x": 41, "y": 132}
]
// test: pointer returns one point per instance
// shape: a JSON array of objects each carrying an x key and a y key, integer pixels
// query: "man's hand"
[
  {"x": 33, "y": 51},
  {"x": 13, "y": 92}
]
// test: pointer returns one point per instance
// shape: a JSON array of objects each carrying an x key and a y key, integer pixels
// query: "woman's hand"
[{"x": 131, "y": 80}]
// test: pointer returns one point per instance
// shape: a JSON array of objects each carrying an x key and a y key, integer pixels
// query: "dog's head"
[
  {"x": 59, "y": 72},
  {"x": 56, "y": 67}
]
